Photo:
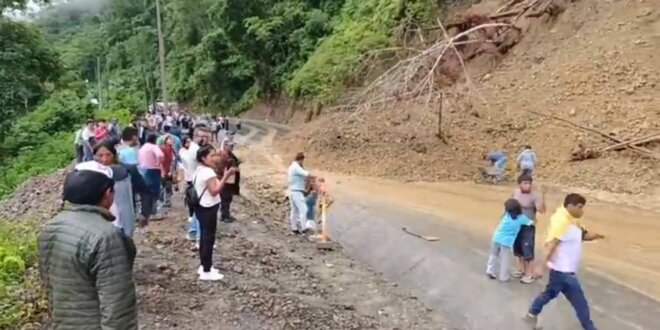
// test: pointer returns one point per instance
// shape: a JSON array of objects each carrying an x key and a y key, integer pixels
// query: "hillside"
[{"x": 591, "y": 64}]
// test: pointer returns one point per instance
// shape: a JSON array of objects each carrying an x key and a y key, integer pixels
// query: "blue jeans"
[
  {"x": 500, "y": 163},
  {"x": 193, "y": 228},
  {"x": 152, "y": 178},
  {"x": 568, "y": 284},
  {"x": 88, "y": 154}
]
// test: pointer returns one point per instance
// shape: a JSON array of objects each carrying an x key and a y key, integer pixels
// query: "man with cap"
[{"x": 86, "y": 262}]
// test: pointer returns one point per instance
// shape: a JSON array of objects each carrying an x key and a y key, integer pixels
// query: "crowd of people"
[{"x": 124, "y": 178}]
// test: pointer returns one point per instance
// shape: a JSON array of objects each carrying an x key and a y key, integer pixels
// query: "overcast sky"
[{"x": 31, "y": 10}]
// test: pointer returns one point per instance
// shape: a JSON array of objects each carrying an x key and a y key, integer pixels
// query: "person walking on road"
[
  {"x": 297, "y": 182},
  {"x": 85, "y": 262},
  {"x": 562, "y": 258},
  {"x": 532, "y": 202},
  {"x": 207, "y": 187}
]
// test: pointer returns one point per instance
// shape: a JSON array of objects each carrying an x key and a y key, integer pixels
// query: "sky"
[{"x": 34, "y": 9}]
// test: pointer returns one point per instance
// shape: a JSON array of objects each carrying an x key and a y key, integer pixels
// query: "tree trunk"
[{"x": 440, "y": 134}]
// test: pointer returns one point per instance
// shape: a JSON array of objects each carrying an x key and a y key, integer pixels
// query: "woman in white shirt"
[{"x": 208, "y": 187}]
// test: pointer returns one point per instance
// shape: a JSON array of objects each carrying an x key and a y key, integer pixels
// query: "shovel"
[{"x": 426, "y": 238}]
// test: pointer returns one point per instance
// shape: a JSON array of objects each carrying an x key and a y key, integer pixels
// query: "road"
[{"x": 620, "y": 275}]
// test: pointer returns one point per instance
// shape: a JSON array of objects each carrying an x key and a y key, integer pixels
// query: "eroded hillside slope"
[{"x": 595, "y": 65}]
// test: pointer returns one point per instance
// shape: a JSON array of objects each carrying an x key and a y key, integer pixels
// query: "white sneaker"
[
  {"x": 214, "y": 246},
  {"x": 190, "y": 219},
  {"x": 210, "y": 276},
  {"x": 200, "y": 270}
]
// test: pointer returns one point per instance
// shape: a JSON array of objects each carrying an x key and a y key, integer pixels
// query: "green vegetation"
[
  {"x": 226, "y": 55},
  {"x": 21, "y": 298}
]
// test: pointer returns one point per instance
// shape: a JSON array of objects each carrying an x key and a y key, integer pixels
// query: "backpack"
[{"x": 191, "y": 198}]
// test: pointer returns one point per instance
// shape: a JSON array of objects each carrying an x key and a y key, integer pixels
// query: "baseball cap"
[{"x": 86, "y": 187}]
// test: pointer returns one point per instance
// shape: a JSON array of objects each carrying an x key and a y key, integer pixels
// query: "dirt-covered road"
[{"x": 449, "y": 274}]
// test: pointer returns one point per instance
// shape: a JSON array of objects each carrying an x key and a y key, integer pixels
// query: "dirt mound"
[
  {"x": 38, "y": 198},
  {"x": 593, "y": 66}
]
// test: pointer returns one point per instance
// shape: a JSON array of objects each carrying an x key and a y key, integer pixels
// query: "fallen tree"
[{"x": 421, "y": 73}]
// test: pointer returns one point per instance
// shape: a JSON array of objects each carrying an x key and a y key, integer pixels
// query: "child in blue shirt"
[{"x": 501, "y": 250}]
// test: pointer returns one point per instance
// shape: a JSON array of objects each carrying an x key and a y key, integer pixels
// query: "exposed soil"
[{"x": 596, "y": 64}]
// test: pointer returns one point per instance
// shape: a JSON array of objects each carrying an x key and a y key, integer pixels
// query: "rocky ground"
[
  {"x": 273, "y": 280},
  {"x": 594, "y": 65}
]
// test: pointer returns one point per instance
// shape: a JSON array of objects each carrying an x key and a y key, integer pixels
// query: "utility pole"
[
  {"x": 161, "y": 53},
  {"x": 98, "y": 81}
]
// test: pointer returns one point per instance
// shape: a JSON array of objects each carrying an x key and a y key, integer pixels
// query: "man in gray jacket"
[{"x": 86, "y": 262}]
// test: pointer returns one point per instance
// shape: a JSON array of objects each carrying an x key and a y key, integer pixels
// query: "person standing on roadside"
[
  {"x": 501, "y": 254},
  {"x": 563, "y": 251},
  {"x": 129, "y": 148},
  {"x": 297, "y": 182},
  {"x": 176, "y": 141},
  {"x": 101, "y": 132},
  {"x": 128, "y": 156},
  {"x": 229, "y": 138},
  {"x": 85, "y": 262},
  {"x": 169, "y": 158},
  {"x": 127, "y": 180},
  {"x": 527, "y": 161},
  {"x": 207, "y": 187},
  {"x": 532, "y": 202},
  {"x": 232, "y": 186},
  {"x": 150, "y": 161},
  {"x": 88, "y": 141},
  {"x": 79, "y": 145},
  {"x": 189, "y": 164},
  {"x": 114, "y": 129}
]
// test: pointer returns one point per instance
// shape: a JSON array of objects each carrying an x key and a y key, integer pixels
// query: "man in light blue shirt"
[
  {"x": 501, "y": 250},
  {"x": 297, "y": 178},
  {"x": 527, "y": 160},
  {"x": 128, "y": 151},
  {"x": 498, "y": 159}
]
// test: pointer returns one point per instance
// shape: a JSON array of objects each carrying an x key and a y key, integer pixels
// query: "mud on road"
[{"x": 273, "y": 279}]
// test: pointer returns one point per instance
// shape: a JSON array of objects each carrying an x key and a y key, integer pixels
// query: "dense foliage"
[
  {"x": 27, "y": 66},
  {"x": 224, "y": 55}
]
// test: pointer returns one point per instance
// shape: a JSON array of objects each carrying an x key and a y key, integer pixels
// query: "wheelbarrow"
[{"x": 492, "y": 175}]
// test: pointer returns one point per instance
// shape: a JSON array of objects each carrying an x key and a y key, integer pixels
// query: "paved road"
[{"x": 449, "y": 274}]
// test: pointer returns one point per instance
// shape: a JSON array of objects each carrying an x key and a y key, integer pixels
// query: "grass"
[
  {"x": 55, "y": 153},
  {"x": 21, "y": 296}
]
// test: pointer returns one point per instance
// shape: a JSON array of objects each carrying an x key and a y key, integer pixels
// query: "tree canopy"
[{"x": 225, "y": 55}]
